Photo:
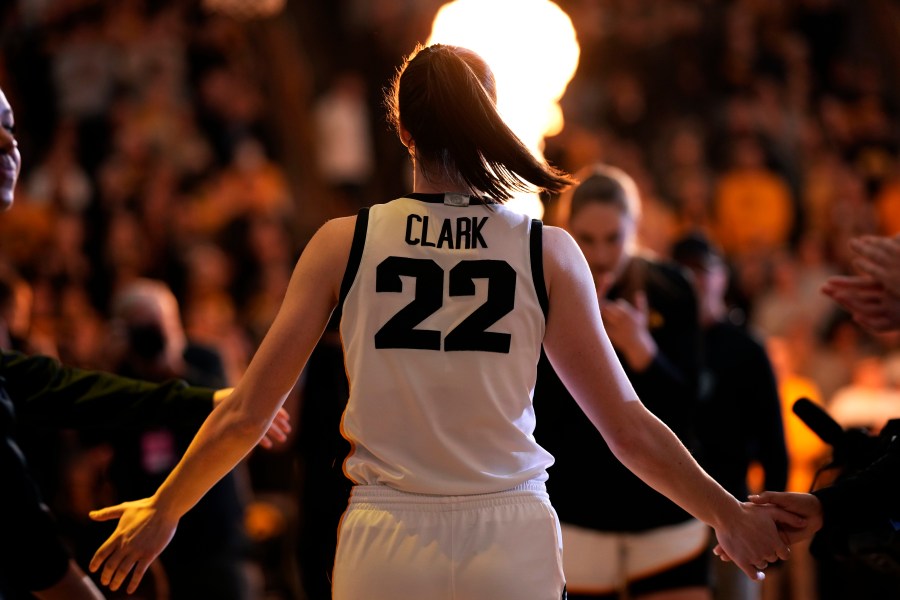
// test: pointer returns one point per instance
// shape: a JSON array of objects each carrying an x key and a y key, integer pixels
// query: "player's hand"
[
  {"x": 752, "y": 541},
  {"x": 805, "y": 506},
  {"x": 141, "y": 534},
  {"x": 796, "y": 520}
]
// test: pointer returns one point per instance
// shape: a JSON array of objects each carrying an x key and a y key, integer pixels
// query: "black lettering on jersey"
[
  {"x": 446, "y": 236},
  {"x": 463, "y": 233},
  {"x": 476, "y": 232},
  {"x": 409, "y": 229},
  {"x": 425, "y": 241},
  {"x": 417, "y": 224},
  {"x": 470, "y": 334}
]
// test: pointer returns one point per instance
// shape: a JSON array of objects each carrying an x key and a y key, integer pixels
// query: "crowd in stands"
[{"x": 168, "y": 141}]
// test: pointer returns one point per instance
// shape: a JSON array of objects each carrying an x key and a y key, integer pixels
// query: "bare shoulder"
[
  {"x": 333, "y": 239},
  {"x": 561, "y": 251},
  {"x": 325, "y": 257},
  {"x": 556, "y": 236},
  {"x": 339, "y": 228}
]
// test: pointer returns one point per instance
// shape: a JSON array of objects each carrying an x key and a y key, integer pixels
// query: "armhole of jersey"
[
  {"x": 537, "y": 264},
  {"x": 356, "y": 250}
]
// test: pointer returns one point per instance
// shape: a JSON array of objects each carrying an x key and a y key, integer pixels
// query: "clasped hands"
[{"x": 798, "y": 517}]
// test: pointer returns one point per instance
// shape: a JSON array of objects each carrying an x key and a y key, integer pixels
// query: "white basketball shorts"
[{"x": 499, "y": 546}]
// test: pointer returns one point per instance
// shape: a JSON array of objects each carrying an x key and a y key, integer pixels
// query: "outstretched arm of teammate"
[
  {"x": 581, "y": 353},
  {"x": 146, "y": 526}
]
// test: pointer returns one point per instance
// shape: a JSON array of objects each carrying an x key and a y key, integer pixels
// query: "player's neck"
[{"x": 439, "y": 185}]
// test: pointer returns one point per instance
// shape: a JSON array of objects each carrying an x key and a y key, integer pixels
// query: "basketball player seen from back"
[{"x": 447, "y": 297}]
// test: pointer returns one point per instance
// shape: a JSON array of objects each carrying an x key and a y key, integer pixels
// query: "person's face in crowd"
[
  {"x": 152, "y": 323},
  {"x": 10, "y": 159},
  {"x": 606, "y": 236}
]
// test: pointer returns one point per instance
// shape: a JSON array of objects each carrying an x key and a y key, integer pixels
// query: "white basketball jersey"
[{"x": 443, "y": 318}]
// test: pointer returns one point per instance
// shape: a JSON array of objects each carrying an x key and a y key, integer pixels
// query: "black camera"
[{"x": 873, "y": 540}]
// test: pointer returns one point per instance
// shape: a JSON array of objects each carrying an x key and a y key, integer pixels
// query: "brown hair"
[
  {"x": 601, "y": 184},
  {"x": 445, "y": 97}
]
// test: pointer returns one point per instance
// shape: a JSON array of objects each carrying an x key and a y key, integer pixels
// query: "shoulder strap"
[
  {"x": 537, "y": 264},
  {"x": 356, "y": 250}
]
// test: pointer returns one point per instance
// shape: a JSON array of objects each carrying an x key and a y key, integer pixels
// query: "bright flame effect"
[{"x": 532, "y": 49}]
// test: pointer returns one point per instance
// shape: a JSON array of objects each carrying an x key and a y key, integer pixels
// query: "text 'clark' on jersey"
[{"x": 443, "y": 318}]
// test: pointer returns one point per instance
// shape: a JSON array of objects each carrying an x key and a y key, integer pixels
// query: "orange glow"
[
  {"x": 245, "y": 9},
  {"x": 532, "y": 48}
]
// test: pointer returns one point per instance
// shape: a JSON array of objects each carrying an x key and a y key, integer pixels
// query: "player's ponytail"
[{"x": 445, "y": 97}]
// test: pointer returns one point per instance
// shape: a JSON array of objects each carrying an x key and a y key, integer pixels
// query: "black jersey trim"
[
  {"x": 536, "y": 244},
  {"x": 356, "y": 250},
  {"x": 439, "y": 198}
]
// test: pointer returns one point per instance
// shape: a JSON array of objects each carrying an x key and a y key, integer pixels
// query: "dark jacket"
[{"x": 739, "y": 416}]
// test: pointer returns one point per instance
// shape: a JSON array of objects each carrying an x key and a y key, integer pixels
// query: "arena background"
[{"x": 201, "y": 144}]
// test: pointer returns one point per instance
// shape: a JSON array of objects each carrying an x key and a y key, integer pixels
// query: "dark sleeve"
[
  {"x": 764, "y": 406},
  {"x": 871, "y": 493},
  {"x": 664, "y": 373},
  {"x": 47, "y": 393},
  {"x": 32, "y": 556}
]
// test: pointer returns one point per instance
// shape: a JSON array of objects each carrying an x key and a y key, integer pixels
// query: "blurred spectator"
[
  {"x": 250, "y": 185},
  {"x": 59, "y": 179},
  {"x": 841, "y": 344},
  {"x": 753, "y": 209},
  {"x": 210, "y": 311},
  {"x": 853, "y": 214},
  {"x": 210, "y": 554},
  {"x": 16, "y": 297},
  {"x": 344, "y": 148},
  {"x": 794, "y": 295}
]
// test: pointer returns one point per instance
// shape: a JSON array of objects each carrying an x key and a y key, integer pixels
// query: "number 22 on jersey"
[{"x": 470, "y": 334}]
